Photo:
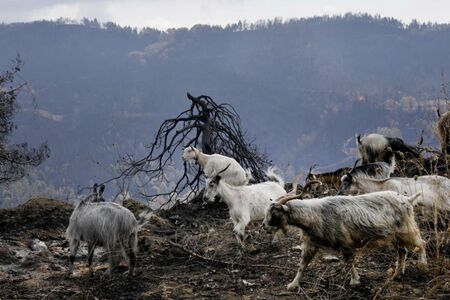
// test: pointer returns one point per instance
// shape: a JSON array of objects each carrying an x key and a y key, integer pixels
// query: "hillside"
[
  {"x": 189, "y": 252},
  {"x": 302, "y": 87}
]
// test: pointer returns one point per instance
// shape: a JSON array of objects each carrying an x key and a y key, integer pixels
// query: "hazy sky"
[{"x": 165, "y": 14}]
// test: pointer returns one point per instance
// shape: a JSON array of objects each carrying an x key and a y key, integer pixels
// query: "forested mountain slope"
[{"x": 302, "y": 87}]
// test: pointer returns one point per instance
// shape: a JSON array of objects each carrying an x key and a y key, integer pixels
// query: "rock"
[
  {"x": 330, "y": 258},
  {"x": 21, "y": 254},
  {"x": 297, "y": 248},
  {"x": 38, "y": 245},
  {"x": 210, "y": 249},
  {"x": 248, "y": 283},
  {"x": 44, "y": 268}
]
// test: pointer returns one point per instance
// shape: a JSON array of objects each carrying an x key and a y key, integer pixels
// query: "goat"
[
  {"x": 349, "y": 223},
  {"x": 211, "y": 163},
  {"x": 333, "y": 179},
  {"x": 376, "y": 147},
  {"x": 246, "y": 203},
  {"x": 443, "y": 125},
  {"x": 104, "y": 224},
  {"x": 329, "y": 179},
  {"x": 435, "y": 189}
]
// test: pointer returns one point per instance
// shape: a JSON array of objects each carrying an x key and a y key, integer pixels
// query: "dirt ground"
[{"x": 189, "y": 252}]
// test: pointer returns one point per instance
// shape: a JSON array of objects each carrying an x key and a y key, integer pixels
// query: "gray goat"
[
  {"x": 348, "y": 223},
  {"x": 104, "y": 224}
]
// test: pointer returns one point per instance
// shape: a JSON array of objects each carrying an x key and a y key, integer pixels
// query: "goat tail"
[
  {"x": 392, "y": 165},
  {"x": 413, "y": 198},
  {"x": 248, "y": 175},
  {"x": 272, "y": 176}
]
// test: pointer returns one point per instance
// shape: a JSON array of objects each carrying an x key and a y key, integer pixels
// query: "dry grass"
[{"x": 189, "y": 252}]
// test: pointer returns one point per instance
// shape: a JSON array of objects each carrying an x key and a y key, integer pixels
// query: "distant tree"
[
  {"x": 212, "y": 127},
  {"x": 15, "y": 159}
]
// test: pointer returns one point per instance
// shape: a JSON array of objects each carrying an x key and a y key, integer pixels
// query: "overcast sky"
[{"x": 165, "y": 14}]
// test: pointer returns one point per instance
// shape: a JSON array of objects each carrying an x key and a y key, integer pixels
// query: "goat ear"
[
  {"x": 349, "y": 176},
  {"x": 217, "y": 178},
  {"x": 358, "y": 138},
  {"x": 378, "y": 170},
  {"x": 101, "y": 190},
  {"x": 285, "y": 208},
  {"x": 94, "y": 188}
]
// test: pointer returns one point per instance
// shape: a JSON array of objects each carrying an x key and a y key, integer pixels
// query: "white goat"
[
  {"x": 104, "y": 224},
  {"x": 349, "y": 223},
  {"x": 246, "y": 203},
  {"x": 435, "y": 189},
  {"x": 211, "y": 163}
]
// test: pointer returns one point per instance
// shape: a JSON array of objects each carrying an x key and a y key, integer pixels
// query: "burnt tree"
[
  {"x": 15, "y": 159},
  {"x": 215, "y": 128}
]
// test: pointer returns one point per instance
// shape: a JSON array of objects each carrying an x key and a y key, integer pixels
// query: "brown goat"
[{"x": 329, "y": 179}]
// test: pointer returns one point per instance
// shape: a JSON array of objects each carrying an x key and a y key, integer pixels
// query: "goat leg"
[
  {"x": 350, "y": 260},
  {"x": 308, "y": 253},
  {"x": 74, "y": 244},
  {"x": 239, "y": 232},
  {"x": 400, "y": 264},
  {"x": 91, "y": 248}
]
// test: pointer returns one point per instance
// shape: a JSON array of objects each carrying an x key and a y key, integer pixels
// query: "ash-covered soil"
[{"x": 189, "y": 252}]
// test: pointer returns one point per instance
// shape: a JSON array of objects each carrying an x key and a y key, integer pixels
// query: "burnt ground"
[{"x": 189, "y": 252}]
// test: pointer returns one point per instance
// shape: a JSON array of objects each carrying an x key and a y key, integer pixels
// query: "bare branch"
[{"x": 215, "y": 128}]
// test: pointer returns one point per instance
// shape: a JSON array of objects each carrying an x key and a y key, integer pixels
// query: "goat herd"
[{"x": 371, "y": 208}]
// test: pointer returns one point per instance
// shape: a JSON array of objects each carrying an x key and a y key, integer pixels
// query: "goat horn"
[
  {"x": 309, "y": 183},
  {"x": 354, "y": 165},
  {"x": 283, "y": 199},
  {"x": 311, "y": 168}
]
